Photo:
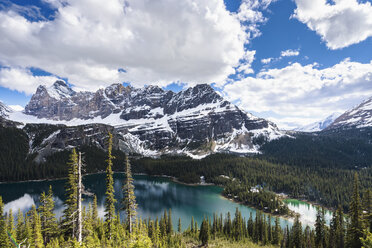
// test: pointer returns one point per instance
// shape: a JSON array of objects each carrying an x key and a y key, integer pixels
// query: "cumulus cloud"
[
  {"x": 340, "y": 23},
  {"x": 22, "y": 80},
  {"x": 267, "y": 60},
  {"x": 155, "y": 42},
  {"x": 289, "y": 53},
  {"x": 286, "y": 53},
  {"x": 297, "y": 94}
]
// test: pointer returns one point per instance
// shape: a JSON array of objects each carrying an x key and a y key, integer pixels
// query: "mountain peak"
[{"x": 60, "y": 89}]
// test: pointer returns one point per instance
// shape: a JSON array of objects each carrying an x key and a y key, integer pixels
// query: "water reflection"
[{"x": 307, "y": 211}]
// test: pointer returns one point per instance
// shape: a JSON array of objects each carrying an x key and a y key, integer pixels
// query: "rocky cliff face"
[{"x": 152, "y": 121}]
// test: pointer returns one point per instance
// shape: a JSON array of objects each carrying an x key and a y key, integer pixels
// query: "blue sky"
[{"x": 293, "y": 62}]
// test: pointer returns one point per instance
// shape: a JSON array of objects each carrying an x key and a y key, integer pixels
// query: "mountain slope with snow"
[
  {"x": 357, "y": 117},
  {"x": 4, "y": 110},
  {"x": 196, "y": 121},
  {"x": 319, "y": 125}
]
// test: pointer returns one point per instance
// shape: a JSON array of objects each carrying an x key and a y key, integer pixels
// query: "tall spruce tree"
[
  {"x": 110, "y": 197},
  {"x": 10, "y": 225},
  {"x": 297, "y": 233},
  {"x": 69, "y": 213},
  {"x": 20, "y": 228},
  {"x": 129, "y": 204},
  {"x": 276, "y": 234},
  {"x": 4, "y": 240},
  {"x": 95, "y": 212},
  {"x": 37, "y": 238},
  {"x": 47, "y": 216},
  {"x": 367, "y": 208},
  {"x": 320, "y": 228},
  {"x": 169, "y": 223},
  {"x": 204, "y": 232},
  {"x": 355, "y": 229}
]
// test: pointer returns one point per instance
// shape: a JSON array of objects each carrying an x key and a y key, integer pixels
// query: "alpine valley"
[{"x": 186, "y": 135}]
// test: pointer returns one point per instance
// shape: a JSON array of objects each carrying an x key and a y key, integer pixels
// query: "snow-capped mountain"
[
  {"x": 4, "y": 110},
  {"x": 357, "y": 117},
  {"x": 319, "y": 125},
  {"x": 150, "y": 120}
]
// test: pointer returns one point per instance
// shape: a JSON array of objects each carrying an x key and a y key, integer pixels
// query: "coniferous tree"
[
  {"x": 69, "y": 213},
  {"x": 355, "y": 229},
  {"x": 47, "y": 216},
  {"x": 129, "y": 200},
  {"x": 367, "y": 208},
  {"x": 204, "y": 232},
  {"x": 320, "y": 228},
  {"x": 79, "y": 217},
  {"x": 20, "y": 228},
  {"x": 250, "y": 225},
  {"x": 269, "y": 230},
  {"x": 37, "y": 238},
  {"x": 237, "y": 225},
  {"x": 276, "y": 234},
  {"x": 179, "y": 226},
  {"x": 169, "y": 223},
  {"x": 340, "y": 231},
  {"x": 4, "y": 241},
  {"x": 95, "y": 212},
  {"x": 297, "y": 233},
  {"x": 10, "y": 225},
  {"x": 28, "y": 230},
  {"x": 192, "y": 225},
  {"x": 110, "y": 197}
]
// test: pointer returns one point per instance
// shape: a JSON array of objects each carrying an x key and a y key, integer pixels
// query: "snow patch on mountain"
[
  {"x": 4, "y": 110},
  {"x": 358, "y": 117}
]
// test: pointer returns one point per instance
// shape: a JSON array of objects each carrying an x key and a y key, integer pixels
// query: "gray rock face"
[
  {"x": 357, "y": 117},
  {"x": 197, "y": 119}
]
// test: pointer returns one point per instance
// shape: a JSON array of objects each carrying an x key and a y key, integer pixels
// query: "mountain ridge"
[
  {"x": 358, "y": 117},
  {"x": 196, "y": 121}
]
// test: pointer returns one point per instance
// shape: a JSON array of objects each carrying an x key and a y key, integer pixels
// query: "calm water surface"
[
  {"x": 154, "y": 195},
  {"x": 307, "y": 211}
]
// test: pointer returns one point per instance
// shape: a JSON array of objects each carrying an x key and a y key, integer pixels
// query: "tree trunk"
[{"x": 79, "y": 211}]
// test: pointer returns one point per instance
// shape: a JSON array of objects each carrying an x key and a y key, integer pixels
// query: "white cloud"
[
  {"x": 340, "y": 23},
  {"x": 297, "y": 95},
  {"x": 22, "y": 80},
  {"x": 267, "y": 60},
  {"x": 156, "y": 42},
  {"x": 286, "y": 53},
  {"x": 289, "y": 53}
]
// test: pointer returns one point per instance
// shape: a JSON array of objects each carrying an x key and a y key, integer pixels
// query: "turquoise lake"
[{"x": 153, "y": 194}]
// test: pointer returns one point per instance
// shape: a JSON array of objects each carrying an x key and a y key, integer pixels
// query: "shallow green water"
[
  {"x": 154, "y": 195},
  {"x": 307, "y": 211}
]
